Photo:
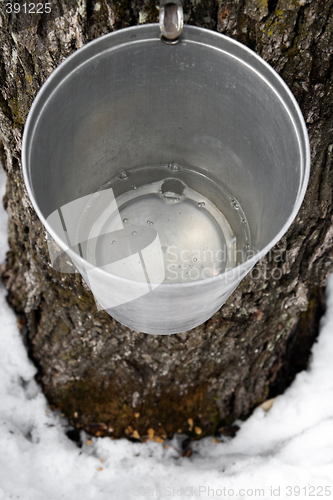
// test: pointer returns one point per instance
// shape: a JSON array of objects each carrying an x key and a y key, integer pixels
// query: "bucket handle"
[{"x": 171, "y": 20}]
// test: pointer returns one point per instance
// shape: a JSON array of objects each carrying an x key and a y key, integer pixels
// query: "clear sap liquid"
[{"x": 202, "y": 229}]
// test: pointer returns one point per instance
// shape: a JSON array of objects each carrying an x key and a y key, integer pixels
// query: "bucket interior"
[{"x": 185, "y": 118}]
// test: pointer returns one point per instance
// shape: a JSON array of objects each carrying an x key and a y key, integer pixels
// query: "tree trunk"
[{"x": 111, "y": 380}]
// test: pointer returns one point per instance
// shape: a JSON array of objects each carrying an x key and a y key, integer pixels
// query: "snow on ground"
[{"x": 286, "y": 452}]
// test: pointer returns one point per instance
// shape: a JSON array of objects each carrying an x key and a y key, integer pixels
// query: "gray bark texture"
[{"x": 108, "y": 379}]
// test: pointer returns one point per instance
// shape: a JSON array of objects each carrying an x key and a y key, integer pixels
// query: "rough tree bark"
[{"x": 111, "y": 380}]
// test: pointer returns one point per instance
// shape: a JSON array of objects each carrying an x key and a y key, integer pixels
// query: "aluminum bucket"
[{"x": 164, "y": 172}]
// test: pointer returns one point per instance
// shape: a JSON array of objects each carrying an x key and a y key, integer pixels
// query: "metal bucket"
[{"x": 164, "y": 171}]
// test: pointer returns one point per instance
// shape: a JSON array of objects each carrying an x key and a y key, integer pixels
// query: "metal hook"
[{"x": 171, "y": 20}]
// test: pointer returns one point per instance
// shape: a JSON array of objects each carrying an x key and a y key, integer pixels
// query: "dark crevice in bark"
[
  {"x": 329, "y": 73},
  {"x": 89, "y": 19},
  {"x": 271, "y": 5},
  {"x": 89, "y": 8},
  {"x": 327, "y": 17},
  {"x": 42, "y": 20},
  {"x": 317, "y": 75},
  {"x": 326, "y": 168},
  {"x": 69, "y": 319},
  {"x": 5, "y": 108},
  {"x": 298, "y": 23},
  {"x": 299, "y": 345},
  {"x": 61, "y": 8},
  {"x": 141, "y": 373},
  {"x": 2, "y": 164},
  {"x": 30, "y": 324},
  {"x": 28, "y": 60},
  {"x": 10, "y": 20},
  {"x": 216, "y": 14}
]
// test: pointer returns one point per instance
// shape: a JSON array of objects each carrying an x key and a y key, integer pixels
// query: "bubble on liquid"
[
  {"x": 150, "y": 222},
  {"x": 124, "y": 175},
  {"x": 134, "y": 233},
  {"x": 134, "y": 186},
  {"x": 113, "y": 242},
  {"x": 194, "y": 259},
  {"x": 201, "y": 204},
  {"x": 235, "y": 204},
  {"x": 246, "y": 247},
  {"x": 174, "y": 167},
  {"x": 125, "y": 220},
  {"x": 244, "y": 221}
]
